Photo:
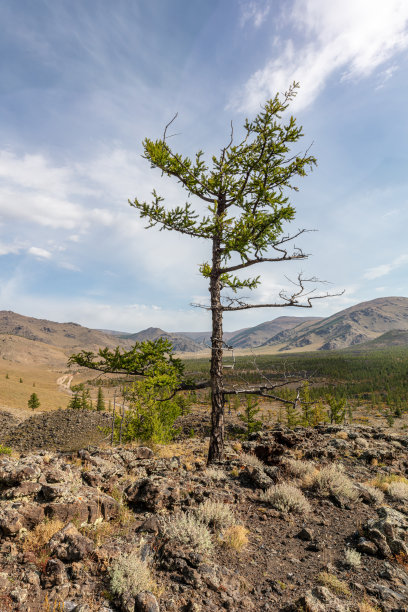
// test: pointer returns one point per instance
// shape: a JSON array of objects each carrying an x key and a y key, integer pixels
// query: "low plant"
[
  {"x": 352, "y": 557},
  {"x": 215, "y": 514},
  {"x": 130, "y": 574},
  {"x": 300, "y": 469},
  {"x": 331, "y": 480},
  {"x": 235, "y": 537},
  {"x": 186, "y": 529},
  {"x": 5, "y": 450},
  {"x": 215, "y": 474},
  {"x": 376, "y": 496},
  {"x": 366, "y": 606},
  {"x": 398, "y": 491},
  {"x": 251, "y": 460},
  {"x": 334, "y": 584},
  {"x": 42, "y": 533},
  {"x": 383, "y": 481},
  {"x": 286, "y": 498}
]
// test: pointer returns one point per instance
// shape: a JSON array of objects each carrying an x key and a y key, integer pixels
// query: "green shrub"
[{"x": 5, "y": 450}]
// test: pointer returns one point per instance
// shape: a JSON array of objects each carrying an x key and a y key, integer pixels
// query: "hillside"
[
  {"x": 355, "y": 325},
  {"x": 258, "y": 335},
  {"x": 69, "y": 337}
]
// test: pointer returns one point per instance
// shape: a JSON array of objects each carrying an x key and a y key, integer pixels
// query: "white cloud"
[
  {"x": 254, "y": 11},
  {"x": 354, "y": 37},
  {"x": 39, "y": 253},
  {"x": 9, "y": 249},
  {"x": 385, "y": 269}
]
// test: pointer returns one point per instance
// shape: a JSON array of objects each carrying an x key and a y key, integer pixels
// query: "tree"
[
  {"x": 33, "y": 401},
  {"x": 244, "y": 191},
  {"x": 100, "y": 403}
]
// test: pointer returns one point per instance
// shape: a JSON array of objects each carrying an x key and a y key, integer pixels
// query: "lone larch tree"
[
  {"x": 245, "y": 191},
  {"x": 245, "y": 194}
]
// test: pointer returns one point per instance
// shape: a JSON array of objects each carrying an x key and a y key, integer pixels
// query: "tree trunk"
[{"x": 216, "y": 449}]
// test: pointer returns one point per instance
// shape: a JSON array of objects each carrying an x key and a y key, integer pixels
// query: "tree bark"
[{"x": 216, "y": 449}]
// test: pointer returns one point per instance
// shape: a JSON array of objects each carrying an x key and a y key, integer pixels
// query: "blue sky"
[{"x": 84, "y": 81}]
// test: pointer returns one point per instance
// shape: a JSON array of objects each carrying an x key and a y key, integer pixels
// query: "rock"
[
  {"x": 388, "y": 533},
  {"x": 305, "y": 534},
  {"x": 55, "y": 573},
  {"x": 142, "y": 452},
  {"x": 256, "y": 477},
  {"x": 366, "y": 547},
  {"x": 11, "y": 521},
  {"x": 146, "y": 602},
  {"x": 152, "y": 495},
  {"x": 70, "y": 545}
]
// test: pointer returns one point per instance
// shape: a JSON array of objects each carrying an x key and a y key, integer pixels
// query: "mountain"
[
  {"x": 258, "y": 335},
  {"x": 180, "y": 343},
  {"x": 70, "y": 337},
  {"x": 395, "y": 337},
  {"x": 355, "y": 325}
]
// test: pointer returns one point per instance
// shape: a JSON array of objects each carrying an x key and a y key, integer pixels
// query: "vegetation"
[
  {"x": 33, "y": 401},
  {"x": 5, "y": 450},
  {"x": 100, "y": 404},
  {"x": 247, "y": 207},
  {"x": 286, "y": 498},
  {"x": 129, "y": 574},
  {"x": 376, "y": 380}
]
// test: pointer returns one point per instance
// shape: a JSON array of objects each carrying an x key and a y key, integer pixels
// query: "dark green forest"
[{"x": 376, "y": 379}]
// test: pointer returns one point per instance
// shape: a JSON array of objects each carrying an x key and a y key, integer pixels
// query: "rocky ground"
[{"x": 311, "y": 519}]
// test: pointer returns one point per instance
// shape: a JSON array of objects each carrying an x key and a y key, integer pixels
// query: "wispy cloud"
[
  {"x": 351, "y": 38},
  {"x": 385, "y": 269},
  {"x": 254, "y": 11}
]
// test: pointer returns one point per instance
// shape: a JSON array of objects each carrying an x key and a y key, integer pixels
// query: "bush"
[
  {"x": 398, "y": 491},
  {"x": 251, "y": 460},
  {"x": 331, "y": 480},
  {"x": 286, "y": 498},
  {"x": 353, "y": 557},
  {"x": 215, "y": 474},
  {"x": 129, "y": 574},
  {"x": 187, "y": 530},
  {"x": 215, "y": 514},
  {"x": 376, "y": 495},
  {"x": 300, "y": 469},
  {"x": 235, "y": 537},
  {"x": 5, "y": 450}
]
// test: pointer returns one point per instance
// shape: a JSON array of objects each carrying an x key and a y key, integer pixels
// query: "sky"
[{"x": 83, "y": 82}]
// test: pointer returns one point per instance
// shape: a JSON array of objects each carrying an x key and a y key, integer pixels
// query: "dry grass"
[
  {"x": 215, "y": 514},
  {"x": 215, "y": 474},
  {"x": 286, "y": 498},
  {"x": 331, "y": 480},
  {"x": 235, "y": 537},
  {"x": 376, "y": 495},
  {"x": 334, "y": 584},
  {"x": 187, "y": 530},
  {"x": 55, "y": 606},
  {"x": 251, "y": 461},
  {"x": 304, "y": 470},
  {"x": 383, "y": 481},
  {"x": 14, "y": 395},
  {"x": 366, "y": 606},
  {"x": 398, "y": 491},
  {"x": 38, "y": 538},
  {"x": 341, "y": 435}
]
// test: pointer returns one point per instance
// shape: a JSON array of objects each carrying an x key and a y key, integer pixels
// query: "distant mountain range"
[{"x": 375, "y": 324}]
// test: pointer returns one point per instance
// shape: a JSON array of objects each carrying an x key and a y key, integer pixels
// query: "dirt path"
[{"x": 64, "y": 382}]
